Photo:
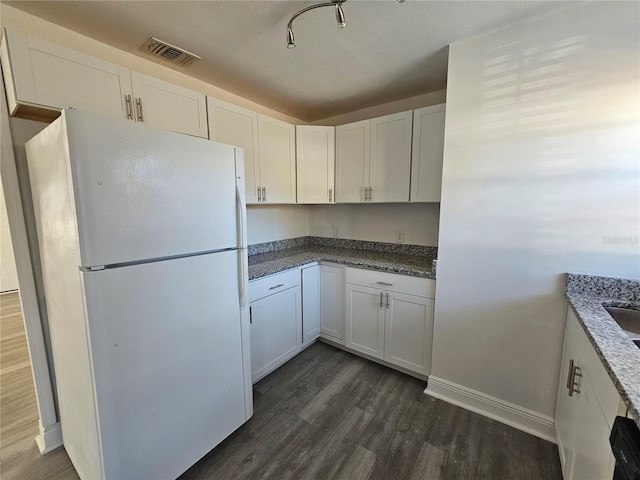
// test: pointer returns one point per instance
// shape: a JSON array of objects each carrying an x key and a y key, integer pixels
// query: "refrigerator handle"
[
  {"x": 242, "y": 277},
  {"x": 241, "y": 203},
  {"x": 241, "y": 209}
]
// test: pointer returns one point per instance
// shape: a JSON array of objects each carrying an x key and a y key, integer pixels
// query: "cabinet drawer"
[
  {"x": 278, "y": 282},
  {"x": 423, "y": 287}
]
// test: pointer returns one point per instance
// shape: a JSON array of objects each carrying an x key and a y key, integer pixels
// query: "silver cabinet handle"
[
  {"x": 385, "y": 284},
  {"x": 139, "y": 109},
  {"x": 370, "y": 193},
  {"x": 381, "y": 299},
  {"x": 264, "y": 194},
  {"x": 331, "y": 195},
  {"x": 276, "y": 286},
  {"x": 127, "y": 103},
  {"x": 366, "y": 194},
  {"x": 259, "y": 195},
  {"x": 570, "y": 374},
  {"x": 388, "y": 301},
  {"x": 572, "y": 378}
]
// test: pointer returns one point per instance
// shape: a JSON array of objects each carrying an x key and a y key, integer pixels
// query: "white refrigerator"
[{"x": 142, "y": 236}]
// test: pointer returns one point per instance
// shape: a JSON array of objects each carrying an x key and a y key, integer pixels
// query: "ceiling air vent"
[{"x": 174, "y": 54}]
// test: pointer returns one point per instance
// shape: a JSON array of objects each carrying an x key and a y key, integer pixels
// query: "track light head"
[
  {"x": 290, "y": 38},
  {"x": 340, "y": 16}
]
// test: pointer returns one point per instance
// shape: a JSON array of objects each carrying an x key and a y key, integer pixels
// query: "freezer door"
[
  {"x": 145, "y": 193},
  {"x": 167, "y": 357}
]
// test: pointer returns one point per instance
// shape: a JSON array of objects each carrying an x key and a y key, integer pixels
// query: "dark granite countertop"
[
  {"x": 261, "y": 265},
  {"x": 619, "y": 355}
]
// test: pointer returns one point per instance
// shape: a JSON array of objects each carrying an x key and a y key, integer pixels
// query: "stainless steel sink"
[{"x": 629, "y": 321}]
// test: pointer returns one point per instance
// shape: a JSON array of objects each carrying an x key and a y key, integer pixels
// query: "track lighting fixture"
[{"x": 339, "y": 18}]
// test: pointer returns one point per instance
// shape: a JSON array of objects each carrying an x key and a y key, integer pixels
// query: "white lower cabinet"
[
  {"x": 275, "y": 312},
  {"x": 390, "y": 317},
  {"x": 586, "y": 407},
  {"x": 310, "y": 304},
  {"x": 331, "y": 303},
  {"x": 408, "y": 332},
  {"x": 365, "y": 320}
]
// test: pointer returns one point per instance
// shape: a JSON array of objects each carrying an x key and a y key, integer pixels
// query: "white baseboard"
[
  {"x": 49, "y": 438},
  {"x": 492, "y": 407}
]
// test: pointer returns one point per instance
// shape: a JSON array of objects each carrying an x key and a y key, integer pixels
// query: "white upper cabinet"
[
  {"x": 167, "y": 106},
  {"x": 315, "y": 161},
  {"x": 269, "y": 150},
  {"x": 238, "y": 126},
  {"x": 277, "y": 154},
  {"x": 42, "y": 78},
  {"x": 373, "y": 159},
  {"x": 352, "y": 161},
  {"x": 428, "y": 147},
  {"x": 390, "y": 160}
]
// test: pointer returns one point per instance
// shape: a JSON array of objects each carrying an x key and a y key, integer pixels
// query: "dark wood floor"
[{"x": 328, "y": 414}]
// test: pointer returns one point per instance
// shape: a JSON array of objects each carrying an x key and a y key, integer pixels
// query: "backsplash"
[{"x": 402, "y": 249}]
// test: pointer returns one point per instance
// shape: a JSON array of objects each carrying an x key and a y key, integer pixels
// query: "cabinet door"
[
  {"x": 390, "y": 162},
  {"x": 567, "y": 412},
  {"x": 238, "y": 126},
  {"x": 593, "y": 457},
  {"x": 50, "y": 77},
  {"x": 332, "y": 302},
  {"x": 315, "y": 161},
  {"x": 428, "y": 147},
  {"x": 364, "y": 320},
  {"x": 275, "y": 331},
  {"x": 166, "y": 106},
  {"x": 352, "y": 161},
  {"x": 409, "y": 332},
  {"x": 310, "y": 304},
  {"x": 277, "y": 152}
]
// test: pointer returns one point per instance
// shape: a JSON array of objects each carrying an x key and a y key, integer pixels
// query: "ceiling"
[{"x": 388, "y": 51}]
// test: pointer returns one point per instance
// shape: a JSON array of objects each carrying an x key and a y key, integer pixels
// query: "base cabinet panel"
[
  {"x": 408, "y": 331},
  {"x": 331, "y": 302},
  {"x": 310, "y": 304},
  {"x": 567, "y": 413},
  {"x": 593, "y": 458},
  {"x": 365, "y": 320},
  {"x": 586, "y": 407},
  {"x": 275, "y": 331}
]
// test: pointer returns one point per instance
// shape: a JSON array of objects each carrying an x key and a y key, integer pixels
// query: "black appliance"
[{"x": 625, "y": 444}]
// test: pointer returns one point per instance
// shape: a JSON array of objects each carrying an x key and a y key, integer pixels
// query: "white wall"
[
  {"x": 377, "y": 223},
  {"x": 541, "y": 177},
  {"x": 267, "y": 223}
]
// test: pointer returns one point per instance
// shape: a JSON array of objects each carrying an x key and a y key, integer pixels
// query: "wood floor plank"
[
  {"x": 359, "y": 466},
  {"x": 429, "y": 464}
]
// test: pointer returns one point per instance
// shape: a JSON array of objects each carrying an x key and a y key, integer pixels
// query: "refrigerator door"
[
  {"x": 143, "y": 193},
  {"x": 167, "y": 348}
]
